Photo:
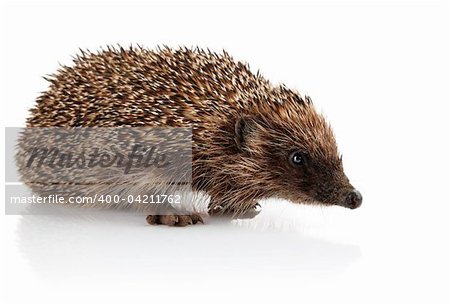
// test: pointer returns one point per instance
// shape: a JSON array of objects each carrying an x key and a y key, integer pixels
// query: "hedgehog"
[{"x": 251, "y": 139}]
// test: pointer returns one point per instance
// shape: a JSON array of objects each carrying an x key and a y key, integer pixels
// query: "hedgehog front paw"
[
  {"x": 249, "y": 213},
  {"x": 175, "y": 220}
]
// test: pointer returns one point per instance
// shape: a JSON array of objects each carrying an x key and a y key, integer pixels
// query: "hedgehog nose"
[{"x": 353, "y": 200}]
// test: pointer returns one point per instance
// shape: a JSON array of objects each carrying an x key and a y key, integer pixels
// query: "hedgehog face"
[
  {"x": 313, "y": 178},
  {"x": 297, "y": 156}
]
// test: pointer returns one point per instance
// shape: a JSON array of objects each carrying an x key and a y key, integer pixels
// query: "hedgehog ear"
[{"x": 243, "y": 128}]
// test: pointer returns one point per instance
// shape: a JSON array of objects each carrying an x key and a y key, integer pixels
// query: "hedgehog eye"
[{"x": 297, "y": 158}]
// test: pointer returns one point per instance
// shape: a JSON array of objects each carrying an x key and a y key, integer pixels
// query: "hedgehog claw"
[{"x": 174, "y": 220}]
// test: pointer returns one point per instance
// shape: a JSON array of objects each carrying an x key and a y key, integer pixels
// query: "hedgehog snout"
[{"x": 353, "y": 199}]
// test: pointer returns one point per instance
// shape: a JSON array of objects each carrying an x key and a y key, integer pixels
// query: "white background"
[{"x": 380, "y": 73}]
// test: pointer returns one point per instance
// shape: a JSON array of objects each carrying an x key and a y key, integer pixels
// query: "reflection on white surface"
[{"x": 116, "y": 243}]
